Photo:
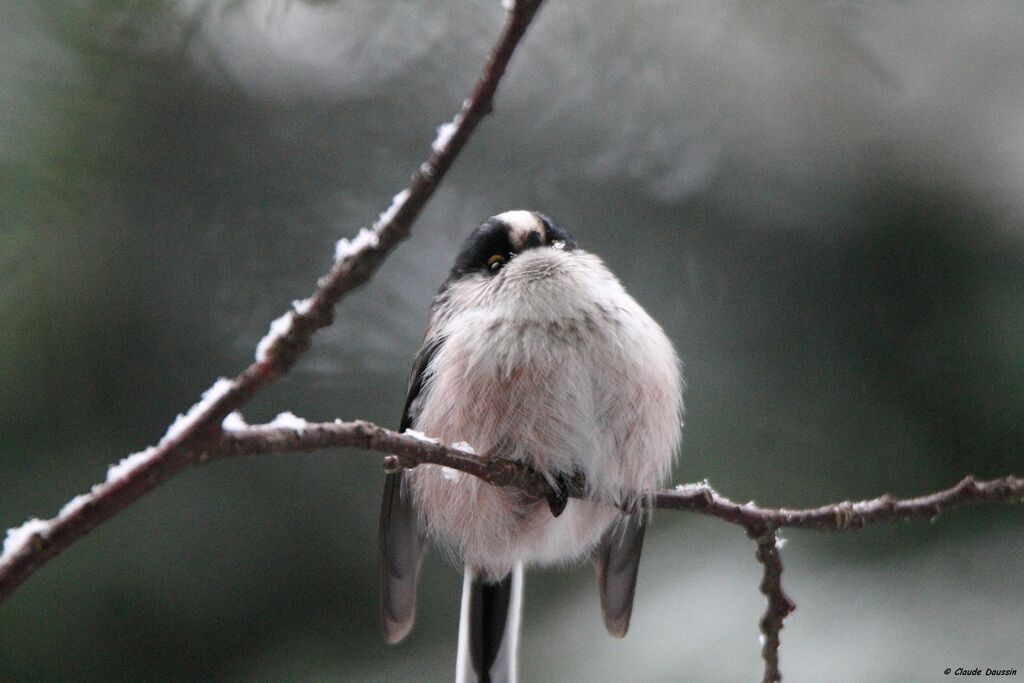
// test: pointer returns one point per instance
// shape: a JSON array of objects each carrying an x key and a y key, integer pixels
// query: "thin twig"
[
  {"x": 779, "y": 604},
  {"x": 845, "y": 515},
  {"x": 290, "y": 336}
]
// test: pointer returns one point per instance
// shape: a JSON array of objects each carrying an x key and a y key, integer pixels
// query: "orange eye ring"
[{"x": 495, "y": 262}]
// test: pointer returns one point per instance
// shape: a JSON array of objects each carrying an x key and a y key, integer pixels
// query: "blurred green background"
[{"x": 822, "y": 202}]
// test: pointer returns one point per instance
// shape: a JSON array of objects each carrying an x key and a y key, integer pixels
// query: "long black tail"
[{"x": 489, "y": 629}]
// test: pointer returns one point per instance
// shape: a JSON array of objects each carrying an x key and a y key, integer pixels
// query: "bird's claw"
[
  {"x": 557, "y": 502},
  {"x": 558, "y": 498}
]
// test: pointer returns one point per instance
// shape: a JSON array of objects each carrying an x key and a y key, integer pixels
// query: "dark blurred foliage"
[{"x": 821, "y": 202}]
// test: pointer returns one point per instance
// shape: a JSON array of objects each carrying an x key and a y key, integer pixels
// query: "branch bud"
[{"x": 392, "y": 464}]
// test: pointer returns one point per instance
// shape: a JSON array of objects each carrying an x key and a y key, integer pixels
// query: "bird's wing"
[
  {"x": 616, "y": 561},
  {"x": 401, "y": 544}
]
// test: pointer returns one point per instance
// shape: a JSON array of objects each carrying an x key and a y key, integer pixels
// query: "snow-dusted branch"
[
  {"x": 38, "y": 541},
  {"x": 412, "y": 448},
  {"x": 30, "y": 544},
  {"x": 407, "y": 449},
  {"x": 289, "y": 434}
]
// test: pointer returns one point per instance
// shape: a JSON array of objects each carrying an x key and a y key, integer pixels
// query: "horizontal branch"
[
  {"x": 289, "y": 434},
  {"x": 761, "y": 524},
  {"x": 38, "y": 541},
  {"x": 413, "y": 449},
  {"x": 846, "y": 515},
  {"x": 410, "y": 449}
]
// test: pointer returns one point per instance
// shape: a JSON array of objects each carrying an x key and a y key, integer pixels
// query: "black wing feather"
[
  {"x": 616, "y": 562},
  {"x": 401, "y": 544}
]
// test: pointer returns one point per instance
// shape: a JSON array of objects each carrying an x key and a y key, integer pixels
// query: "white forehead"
[{"x": 520, "y": 224}]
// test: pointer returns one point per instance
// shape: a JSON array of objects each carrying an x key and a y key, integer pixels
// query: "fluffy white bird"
[{"x": 534, "y": 352}]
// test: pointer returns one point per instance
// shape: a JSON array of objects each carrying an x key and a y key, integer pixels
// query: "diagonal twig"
[{"x": 38, "y": 541}]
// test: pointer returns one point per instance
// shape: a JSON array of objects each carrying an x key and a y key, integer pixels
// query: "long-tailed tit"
[{"x": 534, "y": 352}]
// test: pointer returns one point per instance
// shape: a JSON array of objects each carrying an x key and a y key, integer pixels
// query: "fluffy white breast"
[{"x": 550, "y": 362}]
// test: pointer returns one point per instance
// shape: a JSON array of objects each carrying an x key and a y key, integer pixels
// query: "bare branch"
[
  {"x": 410, "y": 448},
  {"x": 39, "y": 541},
  {"x": 414, "y": 450},
  {"x": 779, "y": 604},
  {"x": 842, "y": 516},
  {"x": 760, "y": 523}
]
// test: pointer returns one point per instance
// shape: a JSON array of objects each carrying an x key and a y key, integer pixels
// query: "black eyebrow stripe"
[{"x": 488, "y": 239}]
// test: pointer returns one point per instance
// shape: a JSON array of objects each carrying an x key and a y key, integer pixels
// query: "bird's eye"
[{"x": 495, "y": 263}]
